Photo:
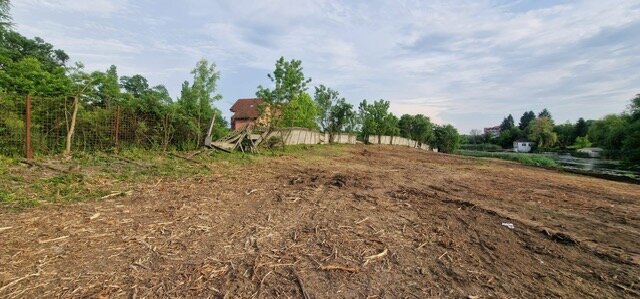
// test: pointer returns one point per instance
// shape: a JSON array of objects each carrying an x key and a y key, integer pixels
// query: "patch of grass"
[
  {"x": 523, "y": 158},
  {"x": 90, "y": 176}
]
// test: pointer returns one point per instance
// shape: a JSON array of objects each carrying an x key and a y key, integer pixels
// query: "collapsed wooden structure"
[{"x": 246, "y": 139}]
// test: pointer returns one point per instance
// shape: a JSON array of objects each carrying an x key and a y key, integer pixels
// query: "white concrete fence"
[{"x": 293, "y": 136}]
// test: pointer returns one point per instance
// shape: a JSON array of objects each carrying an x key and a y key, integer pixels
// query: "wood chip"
[
  {"x": 376, "y": 256},
  {"x": 52, "y": 240},
  {"x": 339, "y": 268},
  {"x": 94, "y": 216}
]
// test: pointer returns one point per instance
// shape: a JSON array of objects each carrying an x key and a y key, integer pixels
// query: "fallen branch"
[
  {"x": 45, "y": 166},
  {"x": 305, "y": 295},
  {"x": 339, "y": 268},
  {"x": 375, "y": 256}
]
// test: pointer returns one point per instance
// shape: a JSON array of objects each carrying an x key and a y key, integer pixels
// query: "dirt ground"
[{"x": 369, "y": 222}]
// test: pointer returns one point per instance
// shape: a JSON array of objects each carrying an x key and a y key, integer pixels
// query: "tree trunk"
[{"x": 72, "y": 127}]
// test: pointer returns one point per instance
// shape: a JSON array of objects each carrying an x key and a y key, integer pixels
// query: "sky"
[{"x": 467, "y": 63}]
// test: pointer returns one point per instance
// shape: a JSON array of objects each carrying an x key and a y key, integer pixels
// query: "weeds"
[
  {"x": 90, "y": 176},
  {"x": 526, "y": 159}
]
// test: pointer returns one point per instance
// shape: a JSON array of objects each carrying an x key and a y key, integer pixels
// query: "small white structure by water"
[
  {"x": 593, "y": 152},
  {"x": 522, "y": 146}
]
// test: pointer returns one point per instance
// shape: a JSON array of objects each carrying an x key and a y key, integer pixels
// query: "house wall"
[
  {"x": 241, "y": 123},
  {"x": 522, "y": 147}
]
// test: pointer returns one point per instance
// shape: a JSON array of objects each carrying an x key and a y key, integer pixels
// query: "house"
[
  {"x": 522, "y": 145},
  {"x": 246, "y": 112},
  {"x": 492, "y": 131}
]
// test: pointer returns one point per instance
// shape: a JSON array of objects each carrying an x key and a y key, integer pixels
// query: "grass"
[
  {"x": 91, "y": 176},
  {"x": 523, "y": 158}
]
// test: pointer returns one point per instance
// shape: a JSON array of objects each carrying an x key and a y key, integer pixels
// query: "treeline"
[
  {"x": 34, "y": 67},
  {"x": 68, "y": 97},
  {"x": 618, "y": 134},
  {"x": 288, "y": 104}
]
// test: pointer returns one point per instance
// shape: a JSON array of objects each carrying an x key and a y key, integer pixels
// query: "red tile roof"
[{"x": 246, "y": 108}]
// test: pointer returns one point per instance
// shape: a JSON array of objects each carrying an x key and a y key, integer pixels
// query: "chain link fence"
[{"x": 50, "y": 126}]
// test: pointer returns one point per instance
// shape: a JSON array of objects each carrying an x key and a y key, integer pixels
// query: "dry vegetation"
[{"x": 344, "y": 221}]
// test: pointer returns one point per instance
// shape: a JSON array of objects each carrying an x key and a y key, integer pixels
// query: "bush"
[{"x": 487, "y": 147}]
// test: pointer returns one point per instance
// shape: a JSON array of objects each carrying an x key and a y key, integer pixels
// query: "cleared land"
[{"x": 347, "y": 221}]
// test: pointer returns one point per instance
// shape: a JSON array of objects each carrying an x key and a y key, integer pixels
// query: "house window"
[{"x": 524, "y": 144}]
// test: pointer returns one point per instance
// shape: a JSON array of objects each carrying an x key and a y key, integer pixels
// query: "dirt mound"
[{"x": 412, "y": 225}]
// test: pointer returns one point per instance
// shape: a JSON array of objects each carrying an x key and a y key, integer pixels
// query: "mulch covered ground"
[{"x": 372, "y": 222}]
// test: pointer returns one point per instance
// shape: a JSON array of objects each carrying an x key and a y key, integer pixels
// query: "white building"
[{"x": 522, "y": 146}]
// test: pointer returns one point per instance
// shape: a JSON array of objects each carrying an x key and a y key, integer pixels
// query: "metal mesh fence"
[{"x": 95, "y": 128}]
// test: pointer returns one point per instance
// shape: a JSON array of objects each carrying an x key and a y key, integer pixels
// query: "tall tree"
[
  {"x": 507, "y": 123},
  {"x": 5, "y": 16},
  {"x": 541, "y": 131},
  {"x": 566, "y": 134},
  {"x": 301, "y": 111},
  {"x": 545, "y": 113},
  {"x": 375, "y": 118},
  {"x": 325, "y": 98},
  {"x": 341, "y": 117},
  {"x": 446, "y": 138},
  {"x": 581, "y": 128},
  {"x": 526, "y": 118},
  {"x": 289, "y": 82}
]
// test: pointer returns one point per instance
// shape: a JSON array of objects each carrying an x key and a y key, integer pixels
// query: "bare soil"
[{"x": 370, "y": 222}]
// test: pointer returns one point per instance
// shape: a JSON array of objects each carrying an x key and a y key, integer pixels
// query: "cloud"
[
  {"x": 94, "y": 6},
  {"x": 469, "y": 63}
]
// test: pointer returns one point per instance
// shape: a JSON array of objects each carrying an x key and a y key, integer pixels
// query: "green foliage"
[
  {"x": 541, "y": 131},
  {"x": 289, "y": 80},
  {"x": 417, "y": 127},
  {"x": 301, "y": 111},
  {"x": 5, "y": 16},
  {"x": 447, "y": 139},
  {"x": 507, "y": 123},
  {"x": 609, "y": 132},
  {"x": 342, "y": 117},
  {"x": 581, "y": 128},
  {"x": 507, "y": 137},
  {"x": 526, "y": 159},
  {"x": 375, "y": 119},
  {"x": 325, "y": 98},
  {"x": 526, "y": 118},
  {"x": 487, "y": 147},
  {"x": 582, "y": 142},
  {"x": 566, "y": 134}
]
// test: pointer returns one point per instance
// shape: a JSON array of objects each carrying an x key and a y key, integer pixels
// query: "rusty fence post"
[
  {"x": 117, "y": 128},
  {"x": 28, "y": 151}
]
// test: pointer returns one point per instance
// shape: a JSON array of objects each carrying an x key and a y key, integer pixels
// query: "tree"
[
  {"x": 475, "y": 136},
  {"x": 566, "y": 134},
  {"x": 418, "y": 128},
  {"x": 5, "y": 16},
  {"x": 507, "y": 123},
  {"x": 581, "y": 128},
  {"x": 545, "y": 113},
  {"x": 325, "y": 98},
  {"x": 582, "y": 142},
  {"x": 446, "y": 138},
  {"x": 609, "y": 132},
  {"x": 405, "y": 124},
  {"x": 507, "y": 137},
  {"x": 541, "y": 131},
  {"x": 341, "y": 117},
  {"x": 289, "y": 82},
  {"x": 375, "y": 119},
  {"x": 301, "y": 111},
  {"x": 526, "y": 118}
]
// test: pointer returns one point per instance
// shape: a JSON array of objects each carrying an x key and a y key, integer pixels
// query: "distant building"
[
  {"x": 246, "y": 112},
  {"x": 522, "y": 146},
  {"x": 492, "y": 131}
]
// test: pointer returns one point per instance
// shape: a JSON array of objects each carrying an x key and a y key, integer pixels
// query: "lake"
[{"x": 596, "y": 165}]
